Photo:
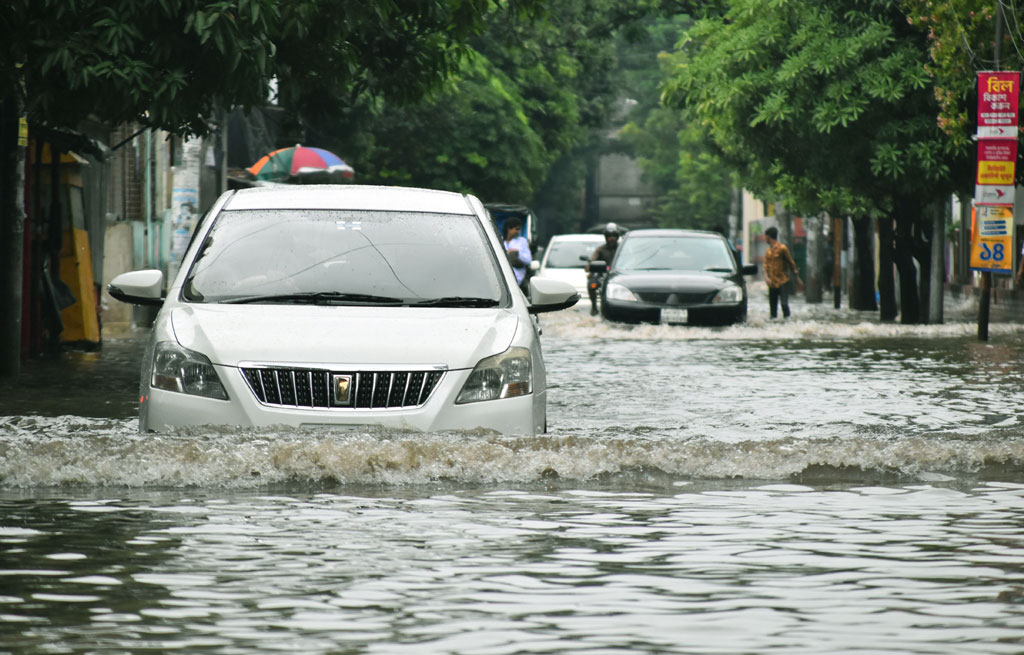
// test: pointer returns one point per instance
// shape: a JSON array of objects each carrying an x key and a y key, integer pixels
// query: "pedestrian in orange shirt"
[{"x": 777, "y": 265}]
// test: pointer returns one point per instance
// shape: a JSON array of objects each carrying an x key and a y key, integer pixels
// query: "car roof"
[
  {"x": 506, "y": 208},
  {"x": 666, "y": 232},
  {"x": 577, "y": 237},
  {"x": 350, "y": 196}
]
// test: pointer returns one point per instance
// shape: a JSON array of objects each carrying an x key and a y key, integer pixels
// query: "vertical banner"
[
  {"x": 995, "y": 183},
  {"x": 184, "y": 201}
]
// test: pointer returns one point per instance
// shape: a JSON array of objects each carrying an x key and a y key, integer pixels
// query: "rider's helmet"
[{"x": 612, "y": 230}]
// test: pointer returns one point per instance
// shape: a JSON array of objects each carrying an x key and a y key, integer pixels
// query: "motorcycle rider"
[{"x": 604, "y": 252}]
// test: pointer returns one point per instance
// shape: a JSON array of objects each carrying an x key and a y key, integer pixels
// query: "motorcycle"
[{"x": 596, "y": 272}]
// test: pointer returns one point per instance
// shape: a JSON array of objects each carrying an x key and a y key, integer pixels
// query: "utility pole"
[{"x": 985, "y": 301}]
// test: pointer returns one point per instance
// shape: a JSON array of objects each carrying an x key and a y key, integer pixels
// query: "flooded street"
[{"x": 827, "y": 484}]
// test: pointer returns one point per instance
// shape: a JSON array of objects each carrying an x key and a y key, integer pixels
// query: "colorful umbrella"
[{"x": 299, "y": 161}]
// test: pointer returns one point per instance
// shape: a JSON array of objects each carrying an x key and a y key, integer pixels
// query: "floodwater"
[{"x": 826, "y": 484}]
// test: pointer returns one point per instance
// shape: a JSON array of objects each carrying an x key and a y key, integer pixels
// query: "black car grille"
[
  {"x": 303, "y": 387},
  {"x": 675, "y": 299}
]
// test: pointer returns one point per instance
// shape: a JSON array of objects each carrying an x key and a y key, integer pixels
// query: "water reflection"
[
  {"x": 100, "y": 384},
  {"x": 769, "y": 568}
]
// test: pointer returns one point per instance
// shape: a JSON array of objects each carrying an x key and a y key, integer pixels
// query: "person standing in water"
[{"x": 778, "y": 263}]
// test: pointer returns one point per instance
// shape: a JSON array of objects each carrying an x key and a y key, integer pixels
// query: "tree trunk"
[
  {"x": 922, "y": 231},
  {"x": 963, "y": 269},
  {"x": 886, "y": 283},
  {"x": 837, "y": 261},
  {"x": 863, "y": 295},
  {"x": 785, "y": 222},
  {"x": 938, "y": 276},
  {"x": 910, "y": 308},
  {"x": 813, "y": 276},
  {"x": 12, "y": 236}
]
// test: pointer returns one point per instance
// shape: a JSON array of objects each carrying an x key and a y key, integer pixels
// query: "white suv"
[{"x": 351, "y": 305}]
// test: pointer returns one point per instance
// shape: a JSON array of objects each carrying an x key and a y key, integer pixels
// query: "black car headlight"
[
  {"x": 615, "y": 291},
  {"x": 185, "y": 371},
  {"x": 731, "y": 294},
  {"x": 505, "y": 375}
]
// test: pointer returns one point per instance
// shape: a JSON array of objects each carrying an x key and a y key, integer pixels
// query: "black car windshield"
[
  {"x": 385, "y": 258},
  {"x": 566, "y": 254},
  {"x": 675, "y": 253}
]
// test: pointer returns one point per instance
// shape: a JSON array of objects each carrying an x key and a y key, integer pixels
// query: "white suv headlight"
[
  {"x": 506, "y": 375},
  {"x": 185, "y": 371},
  {"x": 619, "y": 292},
  {"x": 731, "y": 293}
]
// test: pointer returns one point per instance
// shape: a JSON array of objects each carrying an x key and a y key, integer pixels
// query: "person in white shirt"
[{"x": 518, "y": 250}]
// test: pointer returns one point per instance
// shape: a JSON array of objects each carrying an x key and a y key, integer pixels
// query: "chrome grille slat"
[
  {"x": 423, "y": 383},
  {"x": 281, "y": 386}
]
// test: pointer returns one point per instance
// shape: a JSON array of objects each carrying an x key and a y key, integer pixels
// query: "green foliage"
[
  {"x": 826, "y": 95},
  {"x": 530, "y": 93},
  {"x": 961, "y": 38},
  {"x": 171, "y": 63},
  {"x": 165, "y": 63},
  {"x": 692, "y": 184},
  {"x": 455, "y": 141}
]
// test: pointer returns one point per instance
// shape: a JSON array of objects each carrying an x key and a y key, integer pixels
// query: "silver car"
[{"x": 346, "y": 305}]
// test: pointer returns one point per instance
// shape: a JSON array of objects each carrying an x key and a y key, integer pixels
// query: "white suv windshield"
[
  {"x": 346, "y": 257},
  {"x": 566, "y": 254},
  {"x": 677, "y": 253}
]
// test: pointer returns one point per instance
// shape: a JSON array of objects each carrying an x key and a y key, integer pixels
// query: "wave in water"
[
  {"x": 815, "y": 322},
  {"x": 72, "y": 451}
]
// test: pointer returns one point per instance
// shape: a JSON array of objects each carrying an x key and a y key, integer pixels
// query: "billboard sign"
[
  {"x": 997, "y": 159},
  {"x": 998, "y": 95},
  {"x": 992, "y": 240}
]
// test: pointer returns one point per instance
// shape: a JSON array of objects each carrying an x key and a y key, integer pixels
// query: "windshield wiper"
[
  {"x": 317, "y": 298},
  {"x": 455, "y": 301},
  {"x": 718, "y": 269}
]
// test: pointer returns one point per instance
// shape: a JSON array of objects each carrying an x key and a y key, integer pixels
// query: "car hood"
[
  {"x": 371, "y": 336},
  {"x": 671, "y": 281},
  {"x": 574, "y": 276}
]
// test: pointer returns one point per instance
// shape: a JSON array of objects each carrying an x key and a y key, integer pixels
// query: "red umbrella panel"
[{"x": 298, "y": 161}]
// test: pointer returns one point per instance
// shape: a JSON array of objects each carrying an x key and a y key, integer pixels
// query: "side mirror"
[
  {"x": 534, "y": 266},
  {"x": 549, "y": 295},
  {"x": 749, "y": 269},
  {"x": 138, "y": 287},
  {"x": 597, "y": 265}
]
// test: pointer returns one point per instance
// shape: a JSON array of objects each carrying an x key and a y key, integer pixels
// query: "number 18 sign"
[{"x": 992, "y": 239}]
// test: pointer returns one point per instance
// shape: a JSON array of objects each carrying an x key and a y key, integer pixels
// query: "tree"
[
  {"x": 472, "y": 137},
  {"x": 828, "y": 105},
  {"x": 962, "y": 40},
  {"x": 170, "y": 64},
  {"x": 511, "y": 124},
  {"x": 693, "y": 185}
]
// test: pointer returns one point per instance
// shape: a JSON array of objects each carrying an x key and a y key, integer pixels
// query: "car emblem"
[{"x": 342, "y": 389}]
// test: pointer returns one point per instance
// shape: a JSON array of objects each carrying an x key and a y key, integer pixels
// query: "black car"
[{"x": 675, "y": 276}]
